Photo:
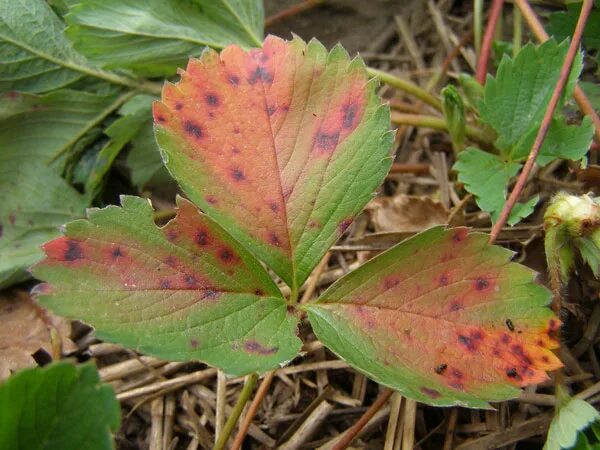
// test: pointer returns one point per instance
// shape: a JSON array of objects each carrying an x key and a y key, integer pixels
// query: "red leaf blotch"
[
  {"x": 73, "y": 251},
  {"x": 253, "y": 346},
  {"x": 430, "y": 392}
]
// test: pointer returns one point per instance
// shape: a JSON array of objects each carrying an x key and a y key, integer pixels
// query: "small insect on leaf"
[{"x": 439, "y": 333}]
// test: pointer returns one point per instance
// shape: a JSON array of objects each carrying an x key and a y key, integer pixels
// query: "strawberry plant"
[{"x": 278, "y": 149}]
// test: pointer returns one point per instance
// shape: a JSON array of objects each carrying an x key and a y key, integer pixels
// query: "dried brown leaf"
[
  {"x": 406, "y": 213},
  {"x": 25, "y": 328}
]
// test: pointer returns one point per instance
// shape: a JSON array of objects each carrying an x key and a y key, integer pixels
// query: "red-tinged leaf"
[
  {"x": 185, "y": 291},
  {"x": 282, "y": 146},
  {"x": 444, "y": 318}
]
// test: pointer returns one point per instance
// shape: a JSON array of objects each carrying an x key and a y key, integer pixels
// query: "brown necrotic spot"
[
  {"x": 194, "y": 343},
  {"x": 443, "y": 281},
  {"x": 170, "y": 261},
  {"x": 274, "y": 240},
  {"x": 165, "y": 284},
  {"x": 260, "y": 74},
  {"x": 190, "y": 280},
  {"x": 440, "y": 368},
  {"x": 481, "y": 284},
  {"x": 326, "y": 142},
  {"x": 432, "y": 393},
  {"x": 212, "y": 99},
  {"x": 193, "y": 129},
  {"x": 73, "y": 251},
  {"x": 209, "y": 294},
  {"x": 171, "y": 235},
  {"x": 344, "y": 224},
  {"x": 349, "y": 115},
  {"x": 460, "y": 235},
  {"x": 456, "y": 374},
  {"x": 253, "y": 346},
  {"x": 211, "y": 199},
  {"x": 271, "y": 110},
  {"x": 161, "y": 119},
  {"x": 390, "y": 282},
  {"x": 11, "y": 219},
  {"x": 259, "y": 292},
  {"x": 202, "y": 238},
  {"x": 233, "y": 80},
  {"x": 116, "y": 253},
  {"x": 225, "y": 255},
  {"x": 456, "y": 305},
  {"x": 467, "y": 342},
  {"x": 512, "y": 372},
  {"x": 505, "y": 338},
  {"x": 510, "y": 325},
  {"x": 238, "y": 174},
  {"x": 178, "y": 106},
  {"x": 274, "y": 207}
]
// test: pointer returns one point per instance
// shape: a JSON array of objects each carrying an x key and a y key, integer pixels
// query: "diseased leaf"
[
  {"x": 281, "y": 146},
  {"x": 34, "y": 52},
  {"x": 43, "y": 127},
  {"x": 444, "y": 318},
  {"x": 486, "y": 176},
  {"x": 35, "y": 203},
  {"x": 26, "y": 328},
  {"x": 57, "y": 407},
  {"x": 157, "y": 36},
  {"x": 515, "y": 100},
  {"x": 185, "y": 291},
  {"x": 562, "y": 25},
  {"x": 569, "y": 421}
]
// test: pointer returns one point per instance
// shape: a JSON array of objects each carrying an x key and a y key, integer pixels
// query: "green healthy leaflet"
[
  {"x": 569, "y": 421},
  {"x": 444, "y": 318},
  {"x": 282, "y": 146},
  {"x": 35, "y": 203},
  {"x": 57, "y": 407},
  {"x": 155, "y": 37},
  {"x": 34, "y": 52},
  {"x": 182, "y": 292},
  {"x": 46, "y": 126}
]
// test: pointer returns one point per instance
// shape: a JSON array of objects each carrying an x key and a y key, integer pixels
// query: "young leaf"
[
  {"x": 43, "y": 127},
  {"x": 444, "y": 318},
  {"x": 515, "y": 101},
  {"x": 282, "y": 146},
  {"x": 486, "y": 176},
  {"x": 35, "y": 54},
  {"x": 35, "y": 203},
  {"x": 155, "y": 37},
  {"x": 58, "y": 407},
  {"x": 570, "y": 420},
  {"x": 184, "y": 291}
]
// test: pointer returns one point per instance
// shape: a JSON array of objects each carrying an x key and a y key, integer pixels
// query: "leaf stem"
[
  {"x": 305, "y": 5},
  {"x": 517, "y": 31},
  {"x": 406, "y": 86},
  {"x": 353, "y": 431},
  {"x": 119, "y": 101},
  {"x": 537, "y": 28},
  {"x": 488, "y": 37},
  {"x": 438, "y": 123},
  {"x": 539, "y": 139},
  {"x": 477, "y": 23},
  {"x": 237, "y": 411},
  {"x": 258, "y": 398}
]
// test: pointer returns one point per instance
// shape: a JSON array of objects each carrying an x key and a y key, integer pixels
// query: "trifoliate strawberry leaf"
[
  {"x": 156, "y": 36},
  {"x": 515, "y": 100},
  {"x": 282, "y": 146},
  {"x": 562, "y": 25},
  {"x": 35, "y": 203},
  {"x": 569, "y": 421},
  {"x": 185, "y": 291},
  {"x": 58, "y": 407},
  {"x": 486, "y": 176},
  {"x": 444, "y": 318}
]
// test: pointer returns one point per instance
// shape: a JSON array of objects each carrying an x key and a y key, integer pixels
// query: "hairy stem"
[
  {"x": 539, "y": 139},
  {"x": 236, "y": 412},
  {"x": 486, "y": 46},
  {"x": 408, "y": 87}
]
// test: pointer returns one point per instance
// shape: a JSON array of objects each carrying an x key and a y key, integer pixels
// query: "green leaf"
[
  {"x": 486, "y": 176},
  {"x": 155, "y": 37},
  {"x": 444, "y": 318},
  {"x": 281, "y": 146},
  {"x": 185, "y": 291},
  {"x": 515, "y": 101},
  {"x": 58, "y": 407},
  {"x": 35, "y": 203},
  {"x": 46, "y": 126},
  {"x": 562, "y": 141},
  {"x": 562, "y": 25},
  {"x": 34, "y": 52},
  {"x": 568, "y": 422}
]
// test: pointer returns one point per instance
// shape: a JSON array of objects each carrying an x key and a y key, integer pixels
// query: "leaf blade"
[
  {"x": 286, "y": 207},
  {"x": 419, "y": 318},
  {"x": 184, "y": 291}
]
